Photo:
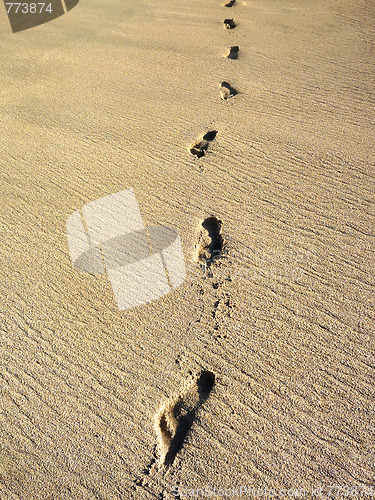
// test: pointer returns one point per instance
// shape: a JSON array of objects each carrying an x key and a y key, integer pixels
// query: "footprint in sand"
[
  {"x": 209, "y": 245},
  {"x": 229, "y": 24},
  {"x": 230, "y": 4},
  {"x": 227, "y": 91},
  {"x": 176, "y": 416},
  {"x": 200, "y": 148},
  {"x": 233, "y": 52}
]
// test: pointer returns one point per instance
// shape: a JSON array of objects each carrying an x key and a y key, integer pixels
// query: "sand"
[{"x": 114, "y": 95}]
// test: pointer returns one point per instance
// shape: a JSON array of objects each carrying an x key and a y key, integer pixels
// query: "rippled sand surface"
[{"x": 256, "y": 372}]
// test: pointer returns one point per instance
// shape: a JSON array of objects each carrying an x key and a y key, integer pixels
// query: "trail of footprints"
[
  {"x": 200, "y": 147},
  {"x": 176, "y": 416}
]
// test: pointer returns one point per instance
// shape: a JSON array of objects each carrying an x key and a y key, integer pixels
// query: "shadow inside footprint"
[
  {"x": 209, "y": 245},
  {"x": 178, "y": 415},
  {"x": 229, "y": 24},
  {"x": 200, "y": 148},
  {"x": 210, "y": 136},
  {"x": 233, "y": 52},
  {"x": 227, "y": 91},
  {"x": 230, "y": 4},
  {"x": 213, "y": 227}
]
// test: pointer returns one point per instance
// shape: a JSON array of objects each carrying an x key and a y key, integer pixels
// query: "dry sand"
[{"x": 113, "y": 95}]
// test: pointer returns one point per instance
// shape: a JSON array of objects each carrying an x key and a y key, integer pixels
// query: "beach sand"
[{"x": 113, "y": 95}]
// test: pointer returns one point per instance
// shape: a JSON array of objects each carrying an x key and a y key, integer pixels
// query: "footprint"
[
  {"x": 226, "y": 91},
  {"x": 229, "y": 24},
  {"x": 230, "y": 4},
  {"x": 200, "y": 148},
  {"x": 209, "y": 245},
  {"x": 233, "y": 52},
  {"x": 176, "y": 416}
]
